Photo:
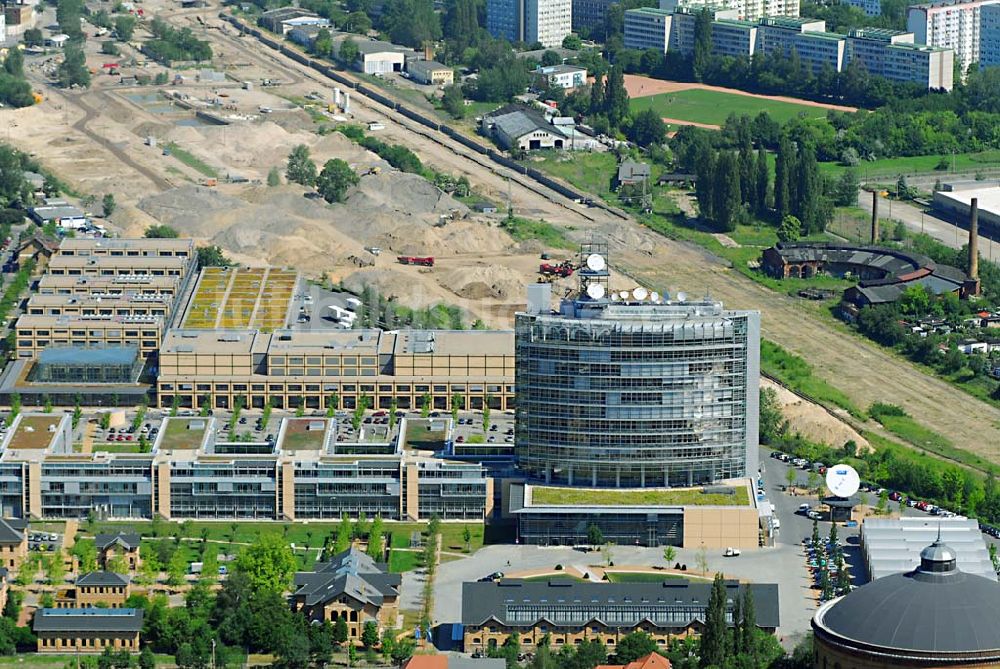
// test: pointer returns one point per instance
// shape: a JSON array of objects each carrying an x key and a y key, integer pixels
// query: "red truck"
[
  {"x": 563, "y": 269},
  {"x": 416, "y": 260}
]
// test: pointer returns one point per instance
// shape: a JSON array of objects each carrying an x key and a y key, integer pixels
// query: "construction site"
[{"x": 195, "y": 155}]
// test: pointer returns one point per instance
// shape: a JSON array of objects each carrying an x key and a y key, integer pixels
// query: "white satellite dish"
[
  {"x": 842, "y": 480},
  {"x": 595, "y": 291},
  {"x": 655, "y": 297},
  {"x": 682, "y": 296},
  {"x": 640, "y": 293},
  {"x": 624, "y": 294},
  {"x": 595, "y": 262},
  {"x": 614, "y": 297}
]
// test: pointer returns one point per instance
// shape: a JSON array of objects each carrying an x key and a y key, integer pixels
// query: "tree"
[
  {"x": 726, "y": 203},
  {"x": 273, "y": 177},
  {"x": 647, "y": 128},
  {"x": 633, "y": 646},
  {"x": 453, "y": 101},
  {"x": 616, "y": 97},
  {"x": 426, "y": 404},
  {"x": 176, "y": 568},
  {"x": 403, "y": 650},
  {"x": 669, "y": 554},
  {"x": 713, "y": 639},
  {"x": 340, "y": 632},
  {"x": 846, "y": 191},
  {"x": 702, "y": 54},
  {"x": 790, "y": 229},
  {"x": 784, "y": 168},
  {"x": 594, "y": 535},
  {"x": 369, "y": 634},
  {"x": 161, "y": 231},
  {"x": 108, "y": 204},
  {"x": 212, "y": 256},
  {"x": 323, "y": 44},
  {"x": 606, "y": 553},
  {"x": 336, "y": 177},
  {"x": 73, "y": 70},
  {"x": 701, "y": 559},
  {"x": 486, "y": 412},
  {"x": 13, "y": 64},
  {"x": 376, "y": 544},
  {"x": 772, "y": 421},
  {"x": 33, "y": 37},
  {"x": 55, "y": 568},
  {"x": 268, "y": 563},
  {"x": 124, "y": 27},
  {"x": 348, "y": 50},
  {"x": 572, "y": 42},
  {"x": 748, "y": 625},
  {"x": 147, "y": 660},
  {"x": 301, "y": 169}
]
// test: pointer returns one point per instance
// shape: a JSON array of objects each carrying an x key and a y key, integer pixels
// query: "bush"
[
  {"x": 879, "y": 409},
  {"x": 558, "y": 567}
]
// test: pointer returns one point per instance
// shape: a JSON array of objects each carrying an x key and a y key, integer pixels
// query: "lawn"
[
  {"x": 679, "y": 497},
  {"x": 191, "y": 160},
  {"x": 912, "y": 432},
  {"x": 713, "y": 107},
  {"x": 400, "y": 561},
  {"x": 33, "y": 432},
  {"x": 418, "y": 435},
  {"x": 892, "y": 167},
  {"x": 309, "y": 535},
  {"x": 641, "y": 577},
  {"x": 178, "y": 436},
  {"x": 299, "y": 438},
  {"x": 523, "y": 229},
  {"x": 592, "y": 172}
]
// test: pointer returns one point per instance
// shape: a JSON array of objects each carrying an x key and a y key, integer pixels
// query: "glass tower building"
[{"x": 636, "y": 393}]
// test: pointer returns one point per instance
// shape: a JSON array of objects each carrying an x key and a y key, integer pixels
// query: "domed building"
[{"x": 932, "y": 616}]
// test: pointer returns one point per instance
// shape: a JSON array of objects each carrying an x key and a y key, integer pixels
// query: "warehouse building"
[
  {"x": 570, "y": 612},
  {"x": 893, "y": 545},
  {"x": 954, "y": 201},
  {"x": 430, "y": 72}
]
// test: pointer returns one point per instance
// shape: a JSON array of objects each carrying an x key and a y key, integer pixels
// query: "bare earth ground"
[
  {"x": 813, "y": 421},
  {"x": 639, "y": 86},
  {"x": 479, "y": 267}
]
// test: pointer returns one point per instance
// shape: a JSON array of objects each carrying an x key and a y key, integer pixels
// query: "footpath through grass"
[{"x": 713, "y": 107}]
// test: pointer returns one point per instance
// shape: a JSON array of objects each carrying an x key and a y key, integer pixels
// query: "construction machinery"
[
  {"x": 426, "y": 261},
  {"x": 563, "y": 269}
]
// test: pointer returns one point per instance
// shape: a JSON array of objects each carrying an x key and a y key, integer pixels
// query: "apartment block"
[
  {"x": 292, "y": 367},
  {"x": 648, "y": 28},
  {"x": 989, "y": 35},
  {"x": 869, "y": 7},
  {"x": 748, "y": 10},
  {"x": 806, "y": 37},
  {"x": 303, "y": 474},
  {"x": 952, "y": 25},
  {"x": 734, "y": 38},
  {"x": 893, "y": 55},
  {"x": 546, "y": 22}
]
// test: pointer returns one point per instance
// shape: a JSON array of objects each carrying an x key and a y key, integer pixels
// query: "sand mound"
[
  {"x": 392, "y": 284},
  {"x": 482, "y": 282}
]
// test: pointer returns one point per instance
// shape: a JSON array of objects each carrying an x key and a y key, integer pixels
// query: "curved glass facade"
[{"x": 637, "y": 395}]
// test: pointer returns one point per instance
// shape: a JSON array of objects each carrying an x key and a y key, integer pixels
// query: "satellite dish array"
[{"x": 596, "y": 263}]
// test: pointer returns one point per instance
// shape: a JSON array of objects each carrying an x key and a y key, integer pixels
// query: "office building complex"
[
  {"x": 950, "y": 24},
  {"x": 885, "y": 53},
  {"x": 637, "y": 391},
  {"x": 750, "y": 10},
  {"x": 545, "y": 22},
  {"x": 989, "y": 35},
  {"x": 304, "y": 473}
]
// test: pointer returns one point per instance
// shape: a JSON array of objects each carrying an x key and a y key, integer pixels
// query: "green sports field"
[{"x": 712, "y": 107}]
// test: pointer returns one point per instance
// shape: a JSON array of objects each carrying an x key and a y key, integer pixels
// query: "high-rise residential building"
[
  {"x": 989, "y": 35},
  {"x": 648, "y": 28},
  {"x": 749, "y": 10},
  {"x": 806, "y": 37},
  {"x": 869, "y": 7},
  {"x": 892, "y": 54},
  {"x": 546, "y": 22},
  {"x": 635, "y": 390},
  {"x": 950, "y": 24}
]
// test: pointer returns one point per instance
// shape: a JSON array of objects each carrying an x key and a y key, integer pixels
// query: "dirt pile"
[{"x": 483, "y": 282}]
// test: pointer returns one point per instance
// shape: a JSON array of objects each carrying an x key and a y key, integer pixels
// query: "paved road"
[{"x": 917, "y": 220}]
